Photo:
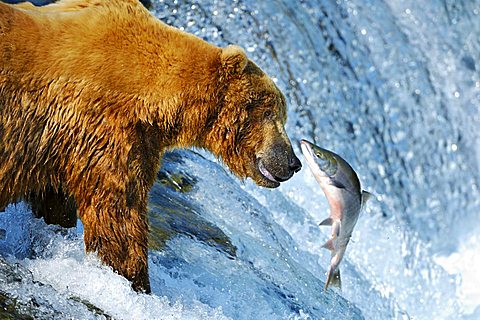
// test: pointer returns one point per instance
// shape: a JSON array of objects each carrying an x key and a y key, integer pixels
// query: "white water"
[{"x": 392, "y": 86}]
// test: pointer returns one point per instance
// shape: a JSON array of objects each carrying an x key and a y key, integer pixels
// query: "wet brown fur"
[{"x": 93, "y": 92}]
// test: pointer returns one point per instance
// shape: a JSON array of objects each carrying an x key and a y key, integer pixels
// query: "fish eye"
[{"x": 319, "y": 154}]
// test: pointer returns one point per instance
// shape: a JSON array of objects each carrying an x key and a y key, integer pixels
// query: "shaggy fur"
[{"x": 92, "y": 92}]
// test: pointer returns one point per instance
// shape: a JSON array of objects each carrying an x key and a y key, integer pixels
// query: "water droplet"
[
  {"x": 363, "y": 31},
  {"x": 454, "y": 147}
]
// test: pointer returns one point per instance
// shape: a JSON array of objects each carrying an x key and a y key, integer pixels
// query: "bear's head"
[{"x": 248, "y": 131}]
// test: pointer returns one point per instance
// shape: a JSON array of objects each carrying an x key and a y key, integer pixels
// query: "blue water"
[{"x": 393, "y": 87}]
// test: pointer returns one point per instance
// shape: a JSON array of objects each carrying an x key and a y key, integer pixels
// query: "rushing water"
[{"x": 394, "y": 87}]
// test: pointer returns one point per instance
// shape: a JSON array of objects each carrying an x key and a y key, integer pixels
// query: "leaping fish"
[{"x": 342, "y": 188}]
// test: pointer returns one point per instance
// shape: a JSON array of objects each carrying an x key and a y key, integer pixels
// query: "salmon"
[{"x": 341, "y": 186}]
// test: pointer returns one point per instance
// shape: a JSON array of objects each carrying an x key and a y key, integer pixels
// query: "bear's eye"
[
  {"x": 267, "y": 114},
  {"x": 250, "y": 106}
]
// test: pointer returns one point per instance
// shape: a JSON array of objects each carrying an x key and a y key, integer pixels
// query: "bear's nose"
[{"x": 294, "y": 163}]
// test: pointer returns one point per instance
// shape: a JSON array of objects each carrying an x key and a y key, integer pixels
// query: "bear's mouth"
[{"x": 267, "y": 175}]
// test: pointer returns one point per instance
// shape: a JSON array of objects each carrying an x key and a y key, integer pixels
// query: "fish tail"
[{"x": 333, "y": 278}]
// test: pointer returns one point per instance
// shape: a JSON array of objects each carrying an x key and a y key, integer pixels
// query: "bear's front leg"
[{"x": 118, "y": 233}]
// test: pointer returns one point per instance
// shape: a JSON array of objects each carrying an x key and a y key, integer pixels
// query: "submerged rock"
[{"x": 172, "y": 214}]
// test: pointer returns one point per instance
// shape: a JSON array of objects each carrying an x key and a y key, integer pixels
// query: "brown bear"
[{"x": 92, "y": 93}]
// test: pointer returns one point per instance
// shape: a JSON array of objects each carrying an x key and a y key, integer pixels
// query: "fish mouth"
[
  {"x": 308, "y": 152},
  {"x": 306, "y": 147},
  {"x": 313, "y": 161}
]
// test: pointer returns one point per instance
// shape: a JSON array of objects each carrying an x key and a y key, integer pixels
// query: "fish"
[{"x": 344, "y": 194}]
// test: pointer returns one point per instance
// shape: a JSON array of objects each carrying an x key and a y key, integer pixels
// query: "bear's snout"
[
  {"x": 294, "y": 163},
  {"x": 279, "y": 164}
]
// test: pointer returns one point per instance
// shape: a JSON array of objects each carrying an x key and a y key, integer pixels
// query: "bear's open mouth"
[{"x": 264, "y": 171}]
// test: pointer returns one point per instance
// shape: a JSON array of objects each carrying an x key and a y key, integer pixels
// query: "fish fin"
[
  {"x": 334, "y": 279},
  {"x": 365, "y": 197},
  {"x": 326, "y": 222},
  {"x": 328, "y": 245},
  {"x": 337, "y": 184}
]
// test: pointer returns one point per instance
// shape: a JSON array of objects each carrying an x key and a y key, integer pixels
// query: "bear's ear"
[{"x": 234, "y": 59}]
